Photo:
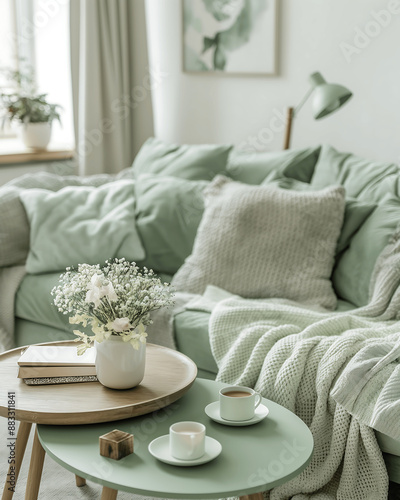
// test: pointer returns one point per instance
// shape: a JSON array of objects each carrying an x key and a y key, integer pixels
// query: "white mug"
[
  {"x": 187, "y": 440},
  {"x": 238, "y": 403}
]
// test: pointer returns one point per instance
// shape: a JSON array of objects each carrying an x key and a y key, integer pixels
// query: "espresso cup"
[
  {"x": 187, "y": 440},
  {"x": 238, "y": 403}
]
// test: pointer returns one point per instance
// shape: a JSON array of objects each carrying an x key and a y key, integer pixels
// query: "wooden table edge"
[{"x": 121, "y": 413}]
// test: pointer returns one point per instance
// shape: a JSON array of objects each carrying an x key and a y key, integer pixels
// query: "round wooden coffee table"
[{"x": 168, "y": 375}]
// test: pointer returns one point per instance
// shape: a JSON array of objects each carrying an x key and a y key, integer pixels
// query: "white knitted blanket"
[{"x": 301, "y": 358}]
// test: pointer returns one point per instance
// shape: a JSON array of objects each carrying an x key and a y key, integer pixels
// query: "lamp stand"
[{"x": 288, "y": 131}]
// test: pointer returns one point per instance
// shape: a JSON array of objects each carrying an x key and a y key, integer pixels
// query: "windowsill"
[{"x": 13, "y": 151}]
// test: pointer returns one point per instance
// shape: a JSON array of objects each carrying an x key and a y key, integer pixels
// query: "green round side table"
[{"x": 254, "y": 458}]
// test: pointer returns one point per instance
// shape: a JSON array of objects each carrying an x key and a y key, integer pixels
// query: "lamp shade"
[{"x": 328, "y": 97}]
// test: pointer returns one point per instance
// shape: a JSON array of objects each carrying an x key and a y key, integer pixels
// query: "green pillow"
[
  {"x": 14, "y": 228},
  {"x": 352, "y": 275},
  {"x": 81, "y": 225},
  {"x": 352, "y": 172},
  {"x": 168, "y": 212},
  {"x": 194, "y": 162},
  {"x": 355, "y": 214},
  {"x": 253, "y": 168}
]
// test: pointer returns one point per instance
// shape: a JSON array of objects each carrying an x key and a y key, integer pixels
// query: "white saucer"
[
  {"x": 212, "y": 410},
  {"x": 159, "y": 448}
]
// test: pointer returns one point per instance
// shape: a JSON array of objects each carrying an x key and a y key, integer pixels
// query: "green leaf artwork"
[{"x": 229, "y": 36}]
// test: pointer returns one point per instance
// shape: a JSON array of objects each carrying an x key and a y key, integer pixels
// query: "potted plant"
[
  {"x": 22, "y": 103},
  {"x": 115, "y": 301}
]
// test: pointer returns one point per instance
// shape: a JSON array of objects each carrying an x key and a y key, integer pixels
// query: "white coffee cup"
[
  {"x": 187, "y": 440},
  {"x": 238, "y": 403}
]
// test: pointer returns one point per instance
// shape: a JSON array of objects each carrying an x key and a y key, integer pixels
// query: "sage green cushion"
[
  {"x": 195, "y": 162},
  {"x": 81, "y": 225},
  {"x": 251, "y": 167},
  {"x": 352, "y": 274},
  {"x": 191, "y": 337},
  {"x": 14, "y": 224},
  {"x": 355, "y": 213},
  {"x": 168, "y": 213},
  {"x": 389, "y": 185},
  {"x": 356, "y": 174},
  {"x": 14, "y": 228}
]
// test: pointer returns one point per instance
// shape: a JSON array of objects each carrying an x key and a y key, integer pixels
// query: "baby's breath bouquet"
[{"x": 113, "y": 300}]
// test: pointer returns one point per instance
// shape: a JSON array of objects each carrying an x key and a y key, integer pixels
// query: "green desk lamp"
[{"x": 327, "y": 98}]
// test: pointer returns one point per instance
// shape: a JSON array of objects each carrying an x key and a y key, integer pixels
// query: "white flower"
[
  {"x": 120, "y": 325},
  {"x": 122, "y": 295},
  {"x": 93, "y": 295},
  {"x": 97, "y": 280},
  {"x": 96, "y": 291},
  {"x": 109, "y": 292}
]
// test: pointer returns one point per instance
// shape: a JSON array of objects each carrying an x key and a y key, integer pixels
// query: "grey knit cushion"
[{"x": 260, "y": 242}]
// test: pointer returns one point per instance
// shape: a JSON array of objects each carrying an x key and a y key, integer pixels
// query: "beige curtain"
[{"x": 102, "y": 53}]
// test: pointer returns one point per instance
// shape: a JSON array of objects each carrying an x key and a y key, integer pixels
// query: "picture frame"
[{"x": 229, "y": 37}]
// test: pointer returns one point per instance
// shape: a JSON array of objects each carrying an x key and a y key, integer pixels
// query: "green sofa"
[{"x": 169, "y": 184}]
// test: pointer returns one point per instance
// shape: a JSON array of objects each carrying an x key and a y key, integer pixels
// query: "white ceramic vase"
[
  {"x": 36, "y": 135},
  {"x": 118, "y": 364}
]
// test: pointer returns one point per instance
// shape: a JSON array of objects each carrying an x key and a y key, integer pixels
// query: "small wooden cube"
[{"x": 116, "y": 444}]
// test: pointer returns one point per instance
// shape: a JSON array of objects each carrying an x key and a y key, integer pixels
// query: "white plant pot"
[
  {"x": 118, "y": 364},
  {"x": 35, "y": 135}
]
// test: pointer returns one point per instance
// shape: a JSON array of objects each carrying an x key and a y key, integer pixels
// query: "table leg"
[
  {"x": 20, "y": 444},
  {"x": 108, "y": 494},
  {"x": 80, "y": 481},
  {"x": 253, "y": 496},
  {"x": 35, "y": 469}
]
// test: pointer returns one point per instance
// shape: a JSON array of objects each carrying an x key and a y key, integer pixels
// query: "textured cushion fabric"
[
  {"x": 81, "y": 225},
  {"x": 252, "y": 167},
  {"x": 259, "y": 242},
  {"x": 26, "y": 333},
  {"x": 352, "y": 274},
  {"x": 14, "y": 224},
  {"x": 377, "y": 192},
  {"x": 168, "y": 213},
  {"x": 355, "y": 214},
  {"x": 191, "y": 336},
  {"x": 33, "y": 301},
  {"x": 55, "y": 182},
  {"x": 194, "y": 162},
  {"x": 354, "y": 173},
  {"x": 14, "y": 228}
]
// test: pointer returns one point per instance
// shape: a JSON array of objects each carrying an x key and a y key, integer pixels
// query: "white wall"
[{"x": 196, "y": 108}]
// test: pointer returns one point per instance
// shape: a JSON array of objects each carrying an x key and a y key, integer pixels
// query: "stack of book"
[{"x": 39, "y": 365}]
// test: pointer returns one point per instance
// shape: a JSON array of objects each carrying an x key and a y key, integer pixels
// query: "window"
[
  {"x": 37, "y": 33},
  {"x": 8, "y": 49}
]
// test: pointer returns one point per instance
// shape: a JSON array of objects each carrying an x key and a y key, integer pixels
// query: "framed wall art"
[{"x": 229, "y": 36}]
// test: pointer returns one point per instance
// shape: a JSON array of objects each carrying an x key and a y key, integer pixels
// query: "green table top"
[{"x": 254, "y": 458}]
